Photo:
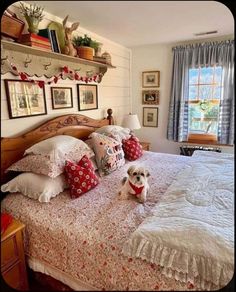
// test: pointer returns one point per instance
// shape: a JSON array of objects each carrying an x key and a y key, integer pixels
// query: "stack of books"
[
  {"x": 51, "y": 34},
  {"x": 36, "y": 41}
]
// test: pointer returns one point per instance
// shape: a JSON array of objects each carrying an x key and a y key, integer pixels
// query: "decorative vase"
[
  {"x": 85, "y": 52},
  {"x": 98, "y": 51},
  {"x": 33, "y": 24}
]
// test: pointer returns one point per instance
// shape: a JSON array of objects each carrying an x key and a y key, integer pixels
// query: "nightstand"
[
  {"x": 145, "y": 145},
  {"x": 13, "y": 267}
]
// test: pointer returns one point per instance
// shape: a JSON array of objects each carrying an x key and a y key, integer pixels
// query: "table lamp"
[{"x": 131, "y": 121}]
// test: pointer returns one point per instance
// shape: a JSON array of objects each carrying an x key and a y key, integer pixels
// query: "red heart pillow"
[
  {"x": 132, "y": 148},
  {"x": 80, "y": 177}
]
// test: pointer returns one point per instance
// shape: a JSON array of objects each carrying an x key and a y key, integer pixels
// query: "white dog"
[{"x": 135, "y": 184}]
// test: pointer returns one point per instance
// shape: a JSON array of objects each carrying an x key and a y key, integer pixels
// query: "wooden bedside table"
[
  {"x": 145, "y": 145},
  {"x": 13, "y": 267}
]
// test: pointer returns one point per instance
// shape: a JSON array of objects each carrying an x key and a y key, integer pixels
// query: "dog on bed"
[{"x": 135, "y": 184}]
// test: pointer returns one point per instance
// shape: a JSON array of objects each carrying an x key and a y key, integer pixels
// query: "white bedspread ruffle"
[{"x": 191, "y": 231}]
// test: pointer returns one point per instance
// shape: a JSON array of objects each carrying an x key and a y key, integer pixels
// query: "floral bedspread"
[{"x": 84, "y": 237}]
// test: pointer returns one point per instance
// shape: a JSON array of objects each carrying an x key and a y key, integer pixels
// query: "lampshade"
[{"x": 131, "y": 121}]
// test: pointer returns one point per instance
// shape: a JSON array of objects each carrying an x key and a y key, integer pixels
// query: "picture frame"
[
  {"x": 87, "y": 97},
  {"x": 150, "y": 97},
  {"x": 150, "y": 116},
  {"x": 61, "y": 97},
  {"x": 25, "y": 98},
  {"x": 151, "y": 79}
]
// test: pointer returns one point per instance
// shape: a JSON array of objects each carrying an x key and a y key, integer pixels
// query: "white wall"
[
  {"x": 152, "y": 58},
  {"x": 113, "y": 91}
]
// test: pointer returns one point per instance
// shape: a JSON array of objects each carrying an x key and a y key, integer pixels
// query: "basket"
[
  {"x": 85, "y": 52},
  {"x": 11, "y": 27}
]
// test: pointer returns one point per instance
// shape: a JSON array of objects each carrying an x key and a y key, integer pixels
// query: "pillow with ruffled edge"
[
  {"x": 47, "y": 165},
  {"x": 108, "y": 152},
  {"x": 36, "y": 186},
  {"x": 117, "y": 131},
  {"x": 57, "y": 147}
]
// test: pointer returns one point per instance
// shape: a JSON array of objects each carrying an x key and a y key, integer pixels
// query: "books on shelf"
[
  {"x": 38, "y": 45},
  {"x": 52, "y": 36},
  {"x": 55, "y": 43},
  {"x": 36, "y": 41},
  {"x": 31, "y": 37}
]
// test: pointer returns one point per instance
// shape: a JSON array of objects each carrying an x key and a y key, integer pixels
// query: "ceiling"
[{"x": 135, "y": 23}]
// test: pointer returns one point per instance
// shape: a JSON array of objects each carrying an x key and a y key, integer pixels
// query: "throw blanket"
[{"x": 190, "y": 233}]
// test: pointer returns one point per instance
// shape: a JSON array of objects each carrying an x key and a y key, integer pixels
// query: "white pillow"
[
  {"x": 56, "y": 147},
  {"x": 108, "y": 129},
  {"x": 116, "y": 131},
  {"x": 36, "y": 186}
]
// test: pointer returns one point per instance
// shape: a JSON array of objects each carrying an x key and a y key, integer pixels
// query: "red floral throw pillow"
[
  {"x": 132, "y": 148},
  {"x": 80, "y": 177}
]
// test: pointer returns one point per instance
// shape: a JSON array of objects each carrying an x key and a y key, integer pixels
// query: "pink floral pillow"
[
  {"x": 108, "y": 152},
  {"x": 81, "y": 178},
  {"x": 46, "y": 164}
]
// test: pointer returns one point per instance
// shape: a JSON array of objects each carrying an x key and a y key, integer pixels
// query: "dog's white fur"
[{"x": 138, "y": 176}]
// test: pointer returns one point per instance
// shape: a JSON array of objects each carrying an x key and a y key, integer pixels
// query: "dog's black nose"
[{"x": 138, "y": 178}]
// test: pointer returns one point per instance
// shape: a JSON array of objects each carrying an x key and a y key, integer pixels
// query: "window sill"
[
  {"x": 202, "y": 138},
  {"x": 207, "y": 139}
]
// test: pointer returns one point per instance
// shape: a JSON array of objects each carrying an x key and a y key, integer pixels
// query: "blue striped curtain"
[{"x": 195, "y": 56}]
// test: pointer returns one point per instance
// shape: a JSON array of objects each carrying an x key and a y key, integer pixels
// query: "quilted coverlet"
[
  {"x": 84, "y": 237},
  {"x": 191, "y": 230}
]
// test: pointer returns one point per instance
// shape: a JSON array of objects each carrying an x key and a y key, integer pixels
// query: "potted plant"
[
  {"x": 85, "y": 46},
  {"x": 33, "y": 15}
]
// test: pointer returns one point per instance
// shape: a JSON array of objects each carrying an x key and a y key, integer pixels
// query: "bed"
[{"x": 80, "y": 242}]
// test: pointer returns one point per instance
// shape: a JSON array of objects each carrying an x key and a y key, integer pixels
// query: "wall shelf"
[{"x": 13, "y": 52}]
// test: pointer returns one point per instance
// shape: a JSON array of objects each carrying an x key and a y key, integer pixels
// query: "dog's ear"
[
  {"x": 130, "y": 170},
  {"x": 147, "y": 173}
]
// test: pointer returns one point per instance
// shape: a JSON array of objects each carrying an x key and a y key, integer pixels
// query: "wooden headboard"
[{"x": 76, "y": 125}]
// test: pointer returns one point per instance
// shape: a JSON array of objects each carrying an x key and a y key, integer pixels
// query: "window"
[{"x": 205, "y": 90}]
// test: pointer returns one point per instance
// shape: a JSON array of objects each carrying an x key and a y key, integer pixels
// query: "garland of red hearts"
[{"x": 65, "y": 73}]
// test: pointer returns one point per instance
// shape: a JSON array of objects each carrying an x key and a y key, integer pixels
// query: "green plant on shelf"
[{"x": 85, "y": 41}]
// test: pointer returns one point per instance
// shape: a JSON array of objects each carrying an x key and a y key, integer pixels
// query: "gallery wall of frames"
[
  {"x": 150, "y": 97},
  {"x": 26, "y": 99}
]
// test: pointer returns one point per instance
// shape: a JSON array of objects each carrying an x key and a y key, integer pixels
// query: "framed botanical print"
[
  {"x": 25, "y": 98},
  {"x": 150, "y": 116},
  {"x": 61, "y": 97},
  {"x": 151, "y": 79},
  {"x": 150, "y": 97},
  {"x": 87, "y": 97}
]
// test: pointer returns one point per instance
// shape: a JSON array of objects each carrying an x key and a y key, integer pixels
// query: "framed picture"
[
  {"x": 87, "y": 97},
  {"x": 151, "y": 79},
  {"x": 25, "y": 99},
  {"x": 150, "y": 97},
  {"x": 150, "y": 116},
  {"x": 61, "y": 97}
]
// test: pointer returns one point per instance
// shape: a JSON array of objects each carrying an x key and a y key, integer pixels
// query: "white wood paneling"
[{"x": 113, "y": 91}]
